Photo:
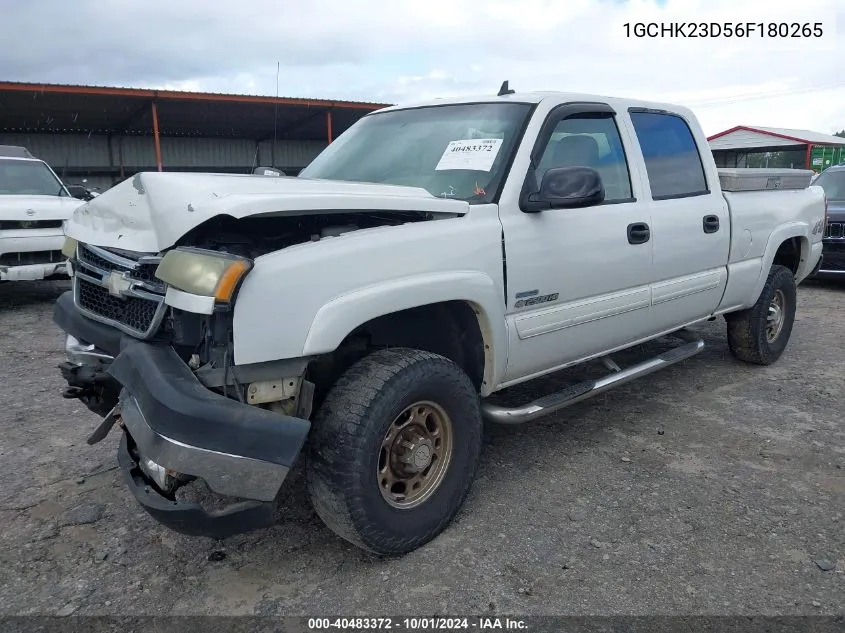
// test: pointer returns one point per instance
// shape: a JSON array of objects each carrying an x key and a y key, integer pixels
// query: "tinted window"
[
  {"x": 671, "y": 155},
  {"x": 590, "y": 141},
  {"x": 833, "y": 183}
]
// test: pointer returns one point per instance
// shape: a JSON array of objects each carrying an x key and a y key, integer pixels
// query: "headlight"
[
  {"x": 69, "y": 247},
  {"x": 204, "y": 273}
]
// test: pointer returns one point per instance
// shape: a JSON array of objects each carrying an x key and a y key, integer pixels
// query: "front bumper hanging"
[
  {"x": 190, "y": 518},
  {"x": 173, "y": 424},
  {"x": 175, "y": 429}
]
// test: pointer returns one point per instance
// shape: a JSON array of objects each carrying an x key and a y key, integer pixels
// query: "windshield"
[
  {"x": 451, "y": 151},
  {"x": 28, "y": 177},
  {"x": 833, "y": 183}
]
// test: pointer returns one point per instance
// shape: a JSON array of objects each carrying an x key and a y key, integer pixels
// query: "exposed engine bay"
[
  {"x": 205, "y": 341},
  {"x": 255, "y": 236}
]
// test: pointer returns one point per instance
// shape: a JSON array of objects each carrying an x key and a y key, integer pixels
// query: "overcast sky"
[{"x": 396, "y": 51}]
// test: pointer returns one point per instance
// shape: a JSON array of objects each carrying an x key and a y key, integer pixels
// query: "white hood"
[
  {"x": 152, "y": 210},
  {"x": 25, "y": 208}
]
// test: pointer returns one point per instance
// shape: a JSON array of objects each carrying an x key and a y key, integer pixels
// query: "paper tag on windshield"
[{"x": 476, "y": 154}]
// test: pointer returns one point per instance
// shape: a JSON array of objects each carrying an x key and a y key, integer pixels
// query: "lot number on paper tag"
[{"x": 476, "y": 154}]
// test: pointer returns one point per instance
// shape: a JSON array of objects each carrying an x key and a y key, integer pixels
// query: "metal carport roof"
[
  {"x": 57, "y": 109},
  {"x": 53, "y": 108},
  {"x": 748, "y": 136}
]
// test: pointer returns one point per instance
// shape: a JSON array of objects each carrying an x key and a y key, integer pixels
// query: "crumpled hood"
[
  {"x": 37, "y": 207},
  {"x": 152, "y": 210}
]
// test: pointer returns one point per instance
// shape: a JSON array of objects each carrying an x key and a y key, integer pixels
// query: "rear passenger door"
[{"x": 689, "y": 219}]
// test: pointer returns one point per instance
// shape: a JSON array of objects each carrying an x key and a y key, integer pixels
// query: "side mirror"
[
  {"x": 78, "y": 191},
  {"x": 268, "y": 171},
  {"x": 565, "y": 188}
]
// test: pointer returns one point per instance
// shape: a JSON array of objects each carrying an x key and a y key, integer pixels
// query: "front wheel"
[
  {"x": 394, "y": 449},
  {"x": 760, "y": 334}
]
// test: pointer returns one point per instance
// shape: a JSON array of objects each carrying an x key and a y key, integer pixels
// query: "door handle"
[
  {"x": 638, "y": 233},
  {"x": 710, "y": 223}
]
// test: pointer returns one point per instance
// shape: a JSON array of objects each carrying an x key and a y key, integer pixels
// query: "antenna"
[
  {"x": 505, "y": 89},
  {"x": 275, "y": 117}
]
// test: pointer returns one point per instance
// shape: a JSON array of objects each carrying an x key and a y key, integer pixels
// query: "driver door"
[{"x": 578, "y": 279}]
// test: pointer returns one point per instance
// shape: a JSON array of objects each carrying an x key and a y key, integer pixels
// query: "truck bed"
[{"x": 757, "y": 200}]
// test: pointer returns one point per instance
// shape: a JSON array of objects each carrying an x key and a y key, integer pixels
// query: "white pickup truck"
[
  {"x": 362, "y": 313},
  {"x": 33, "y": 205}
]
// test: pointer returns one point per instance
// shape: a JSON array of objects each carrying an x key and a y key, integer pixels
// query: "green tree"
[{"x": 840, "y": 133}]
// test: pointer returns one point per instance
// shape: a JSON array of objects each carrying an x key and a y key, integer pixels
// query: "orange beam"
[
  {"x": 155, "y": 136},
  {"x": 183, "y": 96},
  {"x": 329, "y": 125}
]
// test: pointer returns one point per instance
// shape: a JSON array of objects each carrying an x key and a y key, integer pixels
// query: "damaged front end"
[
  {"x": 176, "y": 430},
  {"x": 164, "y": 375},
  {"x": 157, "y": 263}
]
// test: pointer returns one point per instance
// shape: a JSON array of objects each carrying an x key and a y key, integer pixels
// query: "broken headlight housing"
[{"x": 204, "y": 273}]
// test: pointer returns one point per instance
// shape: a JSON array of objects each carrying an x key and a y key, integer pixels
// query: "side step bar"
[{"x": 589, "y": 388}]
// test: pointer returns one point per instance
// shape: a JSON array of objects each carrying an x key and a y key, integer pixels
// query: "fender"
[
  {"x": 781, "y": 234},
  {"x": 340, "y": 316}
]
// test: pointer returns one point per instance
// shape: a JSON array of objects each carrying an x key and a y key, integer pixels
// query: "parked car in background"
[
  {"x": 34, "y": 203},
  {"x": 832, "y": 181}
]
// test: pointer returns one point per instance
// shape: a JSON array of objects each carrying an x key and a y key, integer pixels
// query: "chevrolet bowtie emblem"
[{"x": 117, "y": 284}]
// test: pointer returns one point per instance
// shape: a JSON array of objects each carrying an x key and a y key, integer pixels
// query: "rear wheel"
[
  {"x": 760, "y": 334},
  {"x": 394, "y": 449}
]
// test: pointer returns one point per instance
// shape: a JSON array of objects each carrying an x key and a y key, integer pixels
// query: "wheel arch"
[
  {"x": 789, "y": 245},
  {"x": 449, "y": 314}
]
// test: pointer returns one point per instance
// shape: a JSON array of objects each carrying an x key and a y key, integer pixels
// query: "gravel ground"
[{"x": 711, "y": 488}]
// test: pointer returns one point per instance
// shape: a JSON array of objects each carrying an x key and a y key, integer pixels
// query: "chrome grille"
[
  {"x": 835, "y": 230},
  {"x": 141, "y": 269},
  {"x": 134, "y": 313},
  {"x": 119, "y": 289}
]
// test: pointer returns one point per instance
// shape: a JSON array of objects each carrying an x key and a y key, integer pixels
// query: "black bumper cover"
[
  {"x": 191, "y": 518},
  {"x": 178, "y": 409},
  {"x": 833, "y": 258},
  {"x": 181, "y": 414},
  {"x": 178, "y": 406}
]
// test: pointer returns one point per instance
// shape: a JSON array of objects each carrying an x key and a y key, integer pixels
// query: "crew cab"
[
  {"x": 364, "y": 314},
  {"x": 33, "y": 205}
]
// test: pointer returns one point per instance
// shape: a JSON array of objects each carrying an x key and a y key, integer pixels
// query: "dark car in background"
[{"x": 832, "y": 180}]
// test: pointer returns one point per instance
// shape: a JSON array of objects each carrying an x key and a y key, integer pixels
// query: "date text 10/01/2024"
[
  {"x": 416, "y": 624},
  {"x": 724, "y": 29}
]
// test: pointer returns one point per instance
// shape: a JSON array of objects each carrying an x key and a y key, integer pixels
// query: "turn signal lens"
[{"x": 229, "y": 281}]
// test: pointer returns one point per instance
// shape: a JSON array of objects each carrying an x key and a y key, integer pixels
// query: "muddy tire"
[
  {"x": 760, "y": 334},
  {"x": 394, "y": 449}
]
